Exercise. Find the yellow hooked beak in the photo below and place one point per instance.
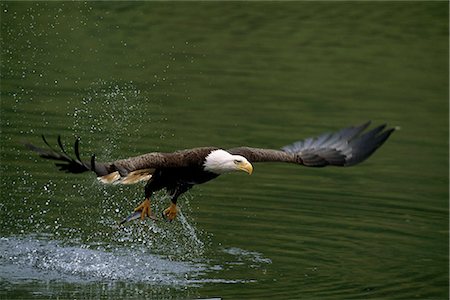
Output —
(246, 167)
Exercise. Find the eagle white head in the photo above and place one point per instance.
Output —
(221, 161)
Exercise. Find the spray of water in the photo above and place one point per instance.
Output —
(112, 113)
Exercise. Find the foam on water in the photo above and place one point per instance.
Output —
(40, 259)
(43, 259)
(252, 258)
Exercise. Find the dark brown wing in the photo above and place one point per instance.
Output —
(183, 158)
(254, 155)
(346, 147)
(138, 167)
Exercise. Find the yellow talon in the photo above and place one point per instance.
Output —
(144, 207)
(171, 212)
(142, 211)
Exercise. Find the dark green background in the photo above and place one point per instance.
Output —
(130, 78)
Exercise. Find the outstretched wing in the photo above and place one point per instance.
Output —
(124, 171)
(346, 147)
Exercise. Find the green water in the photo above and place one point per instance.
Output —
(130, 78)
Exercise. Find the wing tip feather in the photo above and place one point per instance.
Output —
(354, 143)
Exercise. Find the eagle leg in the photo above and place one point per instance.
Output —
(142, 211)
(171, 212)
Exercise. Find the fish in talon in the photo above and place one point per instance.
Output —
(136, 215)
(133, 216)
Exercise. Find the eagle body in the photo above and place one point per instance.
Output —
(179, 171)
(177, 180)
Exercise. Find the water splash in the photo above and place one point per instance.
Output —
(36, 259)
(122, 106)
(111, 111)
(243, 257)
(44, 259)
(180, 238)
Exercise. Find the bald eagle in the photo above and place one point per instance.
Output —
(179, 171)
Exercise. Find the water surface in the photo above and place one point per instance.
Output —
(130, 78)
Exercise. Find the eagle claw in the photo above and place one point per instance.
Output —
(142, 211)
(170, 213)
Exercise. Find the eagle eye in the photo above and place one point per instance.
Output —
(237, 161)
